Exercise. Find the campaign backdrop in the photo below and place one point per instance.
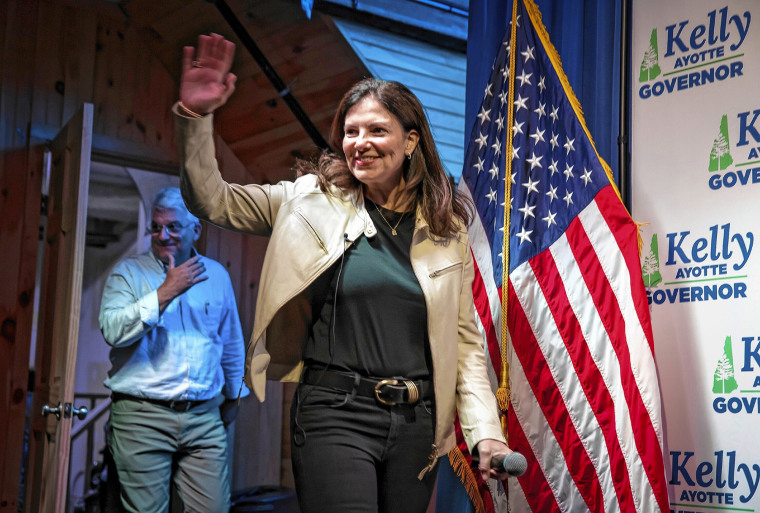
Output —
(696, 181)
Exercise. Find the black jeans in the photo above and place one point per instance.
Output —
(355, 455)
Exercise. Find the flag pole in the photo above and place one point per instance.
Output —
(624, 121)
(503, 393)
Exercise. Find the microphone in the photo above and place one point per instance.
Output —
(513, 464)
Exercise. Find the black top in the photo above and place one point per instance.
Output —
(380, 321)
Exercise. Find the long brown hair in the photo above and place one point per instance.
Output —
(426, 182)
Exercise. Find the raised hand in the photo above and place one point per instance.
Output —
(179, 279)
(206, 81)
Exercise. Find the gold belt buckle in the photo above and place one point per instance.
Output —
(379, 385)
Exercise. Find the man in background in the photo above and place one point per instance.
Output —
(177, 367)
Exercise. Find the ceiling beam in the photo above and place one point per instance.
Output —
(282, 89)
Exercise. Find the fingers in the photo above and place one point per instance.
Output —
(187, 58)
(229, 86)
(215, 50)
(195, 270)
(484, 465)
(218, 48)
(204, 47)
(171, 261)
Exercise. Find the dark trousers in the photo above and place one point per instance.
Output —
(352, 454)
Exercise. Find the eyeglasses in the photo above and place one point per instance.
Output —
(173, 229)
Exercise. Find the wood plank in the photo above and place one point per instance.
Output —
(287, 132)
(261, 455)
(106, 94)
(132, 51)
(269, 17)
(320, 101)
(19, 220)
(144, 12)
(48, 64)
(79, 43)
(182, 26)
(298, 63)
(157, 116)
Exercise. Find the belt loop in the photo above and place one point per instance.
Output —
(357, 380)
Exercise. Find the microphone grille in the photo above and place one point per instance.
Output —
(515, 464)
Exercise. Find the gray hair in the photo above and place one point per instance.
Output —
(171, 198)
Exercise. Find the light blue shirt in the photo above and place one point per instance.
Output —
(193, 351)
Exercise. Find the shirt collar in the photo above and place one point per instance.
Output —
(165, 267)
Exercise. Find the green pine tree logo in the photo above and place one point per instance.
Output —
(650, 65)
(650, 266)
(720, 155)
(723, 380)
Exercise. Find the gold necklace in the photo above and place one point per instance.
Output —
(393, 228)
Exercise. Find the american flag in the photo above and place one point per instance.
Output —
(585, 399)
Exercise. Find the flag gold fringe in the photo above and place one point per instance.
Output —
(639, 239)
(465, 473)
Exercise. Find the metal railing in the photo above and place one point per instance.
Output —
(98, 405)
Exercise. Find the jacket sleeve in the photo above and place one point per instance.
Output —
(245, 208)
(476, 402)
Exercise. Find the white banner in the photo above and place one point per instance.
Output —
(696, 181)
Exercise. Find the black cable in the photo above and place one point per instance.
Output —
(299, 433)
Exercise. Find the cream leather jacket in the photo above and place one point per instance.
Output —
(308, 231)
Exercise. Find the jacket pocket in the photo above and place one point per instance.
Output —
(448, 268)
(309, 228)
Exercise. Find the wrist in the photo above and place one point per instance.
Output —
(164, 297)
(187, 111)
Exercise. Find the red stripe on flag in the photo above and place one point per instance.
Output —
(626, 235)
(483, 307)
(552, 405)
(598, 396)
(533, 482)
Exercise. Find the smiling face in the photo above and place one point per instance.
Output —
(178, 245)
(375, 145)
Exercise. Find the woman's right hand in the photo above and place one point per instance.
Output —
(206, 81)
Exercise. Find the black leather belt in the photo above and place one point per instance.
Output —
(179, 406)
(387, 391)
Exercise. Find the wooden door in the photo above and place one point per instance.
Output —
(60, 295)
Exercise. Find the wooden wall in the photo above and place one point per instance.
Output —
(54, 55)
(258, 430)
(20, 182)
